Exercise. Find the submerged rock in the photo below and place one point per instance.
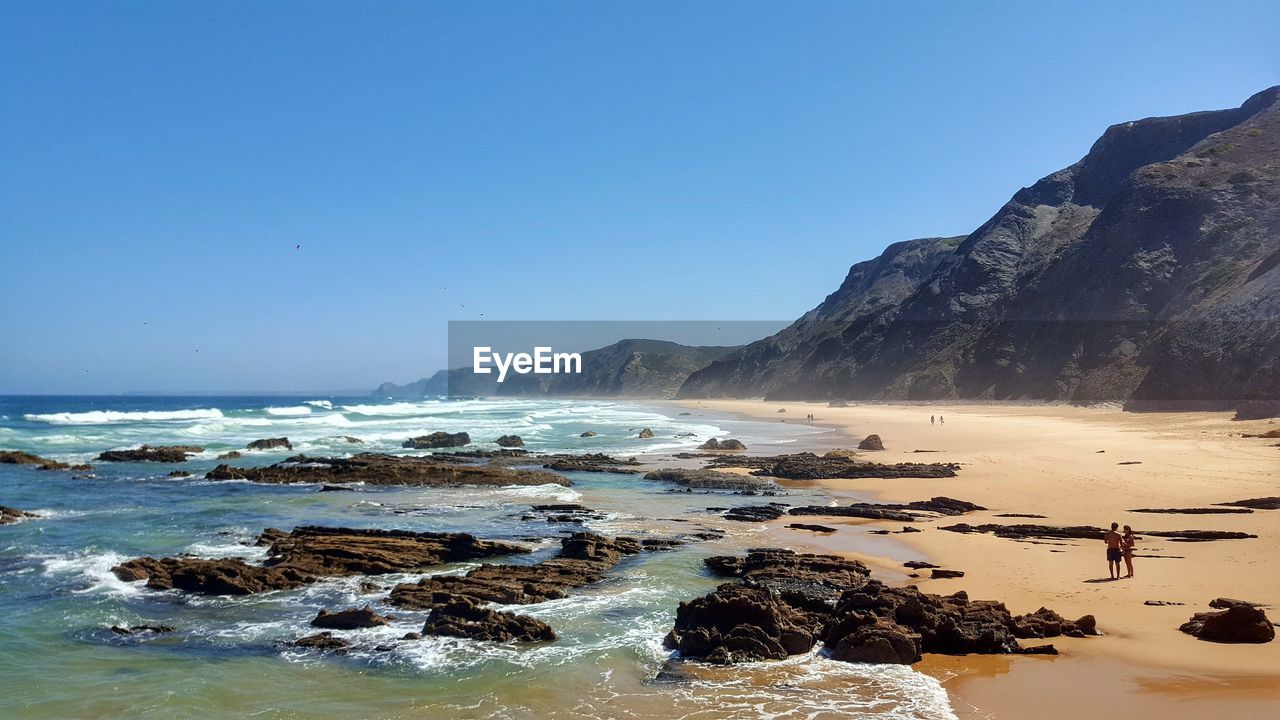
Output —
(147, 453)
(437, 440)
(588, 434)
(464, 617)
(307, 553)
(583, 559)
(351, 619)
(379, 469)
(325, 641)
(17, 457)
(270, 444)
(645, 434)
(10, 515)
(589, 462)
(139, 629)
(709, 479)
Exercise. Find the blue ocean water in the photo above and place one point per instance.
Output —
(229, 656)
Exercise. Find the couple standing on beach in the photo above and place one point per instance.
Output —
(1119, 547)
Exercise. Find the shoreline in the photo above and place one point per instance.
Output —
(1044, 459)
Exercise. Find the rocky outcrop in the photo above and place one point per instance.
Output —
(589, 462)
(147, 453)
(307, 553)
(645, 434)
(589, 434)
(210, 577)
(756, 513)
(270, 444)
(465, 618)
(871, 442)
(17, 457)
(325, 641)
(740, 623)
(1265, 503)
(583, 559)
(1194, 511)
(510, 441)
(727, 444)
(786, 603)
(329, 551)
(1146, 273)
(1086, 532)
(709, 479)
(437, 440)
(807, 466)
(351, 619)
(1236, 624)
(125, 630)
(902, 512)
(10, 515)
(378, 469)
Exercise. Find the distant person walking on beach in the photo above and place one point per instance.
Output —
(942, 420)
(930, 419)
(1127, 541)
(1114, 553)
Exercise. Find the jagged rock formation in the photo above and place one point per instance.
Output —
(785, 603)
(1148, 272)
(10, 515)
(299, 557)
(1236, 624)
(270, 444)
(148, 453)
(709, 479)
(378, 469)
(437, 439)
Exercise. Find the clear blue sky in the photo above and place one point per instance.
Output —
(160, 161)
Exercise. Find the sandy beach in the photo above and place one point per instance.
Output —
(1075, 466)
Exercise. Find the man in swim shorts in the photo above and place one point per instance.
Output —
(1114, 553)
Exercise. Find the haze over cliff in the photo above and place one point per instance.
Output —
(1146, 273)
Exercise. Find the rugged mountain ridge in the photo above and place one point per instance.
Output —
(628, 368)
(1146, 273)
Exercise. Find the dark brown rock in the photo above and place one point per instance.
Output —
(1264, 503)
(230, 576)
(325, 641)
(1086, 532)
(465, 618)
(510, 441)
(740, 623)
(904, 512)
(709, 479)
(17, 457)
(755, 513)
(10, 515)
(583, 559)
(137, 629)
(812, 528)
(871, 442)
(437, 440)
(807, 466)
(590, 462)
(351, 619)
(726, 444)
(1195, 511)
(1237, 624)
(1223, 603)
(147, 453)
(940, 574)
(588, 434)
(645, 434)
(379, 469)
(270, 444)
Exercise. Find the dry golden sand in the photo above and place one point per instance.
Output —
(1045, 460)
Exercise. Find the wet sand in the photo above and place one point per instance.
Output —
(1045, 460)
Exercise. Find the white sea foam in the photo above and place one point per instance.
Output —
(103, 417)
(320, 404)
(288, 411)
(548, 491)
(92, 568)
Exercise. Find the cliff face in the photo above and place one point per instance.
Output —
(1146, 273)
(629, 368)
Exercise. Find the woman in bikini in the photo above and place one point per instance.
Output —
(1127, 541)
